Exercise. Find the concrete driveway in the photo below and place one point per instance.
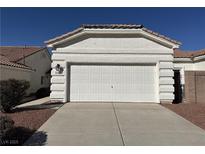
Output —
(118, 124)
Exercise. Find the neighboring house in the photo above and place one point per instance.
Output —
(9, 69)
(114, 63)
(28, 63)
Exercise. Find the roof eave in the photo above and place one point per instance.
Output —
(16, 67)
(54, 43)
(189, 59)
(199, 58)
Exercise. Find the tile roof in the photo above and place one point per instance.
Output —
(16, 53)
(188, 54)
(5, 61)
(109, 26)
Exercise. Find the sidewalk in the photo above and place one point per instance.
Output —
(41, 103)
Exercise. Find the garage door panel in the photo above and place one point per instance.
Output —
(135, 83)
(93, 91)
(121, 83)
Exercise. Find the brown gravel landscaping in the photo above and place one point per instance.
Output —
(192, 112)
(31, 119)
(27, 121)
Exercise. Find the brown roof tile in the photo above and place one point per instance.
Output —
(188, 54)
(5, 61)
(15, 53)
(109, 26)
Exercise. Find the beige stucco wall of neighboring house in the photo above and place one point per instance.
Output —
(40, 62)
(7, 72)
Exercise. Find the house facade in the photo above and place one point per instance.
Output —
(35, 65)
(121, 63)
(115, 63)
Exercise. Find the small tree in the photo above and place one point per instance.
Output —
(12, 92)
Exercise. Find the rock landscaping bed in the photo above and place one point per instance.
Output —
(192, 112)
(26, 122)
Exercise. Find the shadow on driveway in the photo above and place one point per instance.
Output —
(38, 138)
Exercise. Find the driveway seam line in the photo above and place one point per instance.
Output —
(118, 124)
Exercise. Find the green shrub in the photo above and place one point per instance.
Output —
(12, 92)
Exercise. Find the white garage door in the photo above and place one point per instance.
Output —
(119, 83)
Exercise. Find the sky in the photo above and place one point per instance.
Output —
(33, 26)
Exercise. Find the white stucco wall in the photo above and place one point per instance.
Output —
(191, 66)
(116, 43)
(114, 50)
(199, 66)
(184, 66)
(41, 63)
(7, 72)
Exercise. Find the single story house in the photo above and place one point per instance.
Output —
(120, 63)
(26, 63)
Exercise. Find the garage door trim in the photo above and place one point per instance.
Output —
(68, 75)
